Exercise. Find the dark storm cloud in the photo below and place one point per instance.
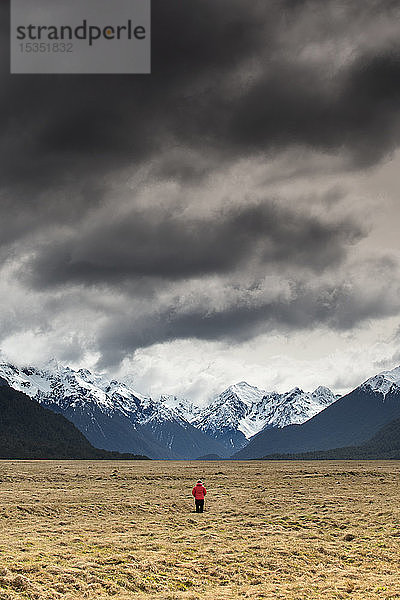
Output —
(357, 110)
(173, 247)
(339, 307)
(57, 129)
(229, 81)
(70, 124)
(64, 137)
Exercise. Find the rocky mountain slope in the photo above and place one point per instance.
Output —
(242, 410)
(113, 416)
(29, 431)
(351, 420)
(110, 414)
(383, 445)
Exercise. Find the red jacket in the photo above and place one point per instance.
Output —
(199, 491)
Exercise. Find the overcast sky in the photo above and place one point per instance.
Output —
(232, 216)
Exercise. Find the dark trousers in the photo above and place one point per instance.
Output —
(199, 505)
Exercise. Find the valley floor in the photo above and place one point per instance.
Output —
(271, 530)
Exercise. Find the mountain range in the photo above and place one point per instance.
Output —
(243, 410)
(243, 422)
(29, 431)
(350, 421)
(115, 417)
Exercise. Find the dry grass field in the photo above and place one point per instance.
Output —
(272, 530)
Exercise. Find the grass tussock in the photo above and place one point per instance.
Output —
(271, 530)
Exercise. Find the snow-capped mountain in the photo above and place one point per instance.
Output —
(224, 416)
(244, 418)
(64, 387)
(185, 408)
(242, 411)
(294, 407)
(384, 382)
(109, 413)
(350, 421)
(113, 416)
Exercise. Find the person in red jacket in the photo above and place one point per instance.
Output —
(199, 492)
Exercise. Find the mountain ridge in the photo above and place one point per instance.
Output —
(239, 413)
(110, 414)
(242, 422)
(113, 416)
(351, 420)
(29, 431)
(384, 445)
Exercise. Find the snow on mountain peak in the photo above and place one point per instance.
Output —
(63, 387)
(296, 391)
(238, 413)
(180, 406)
(244, 392)
(248, 409)
(321, 389)
(384, 382)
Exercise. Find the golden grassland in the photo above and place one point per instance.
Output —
(272, 530)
